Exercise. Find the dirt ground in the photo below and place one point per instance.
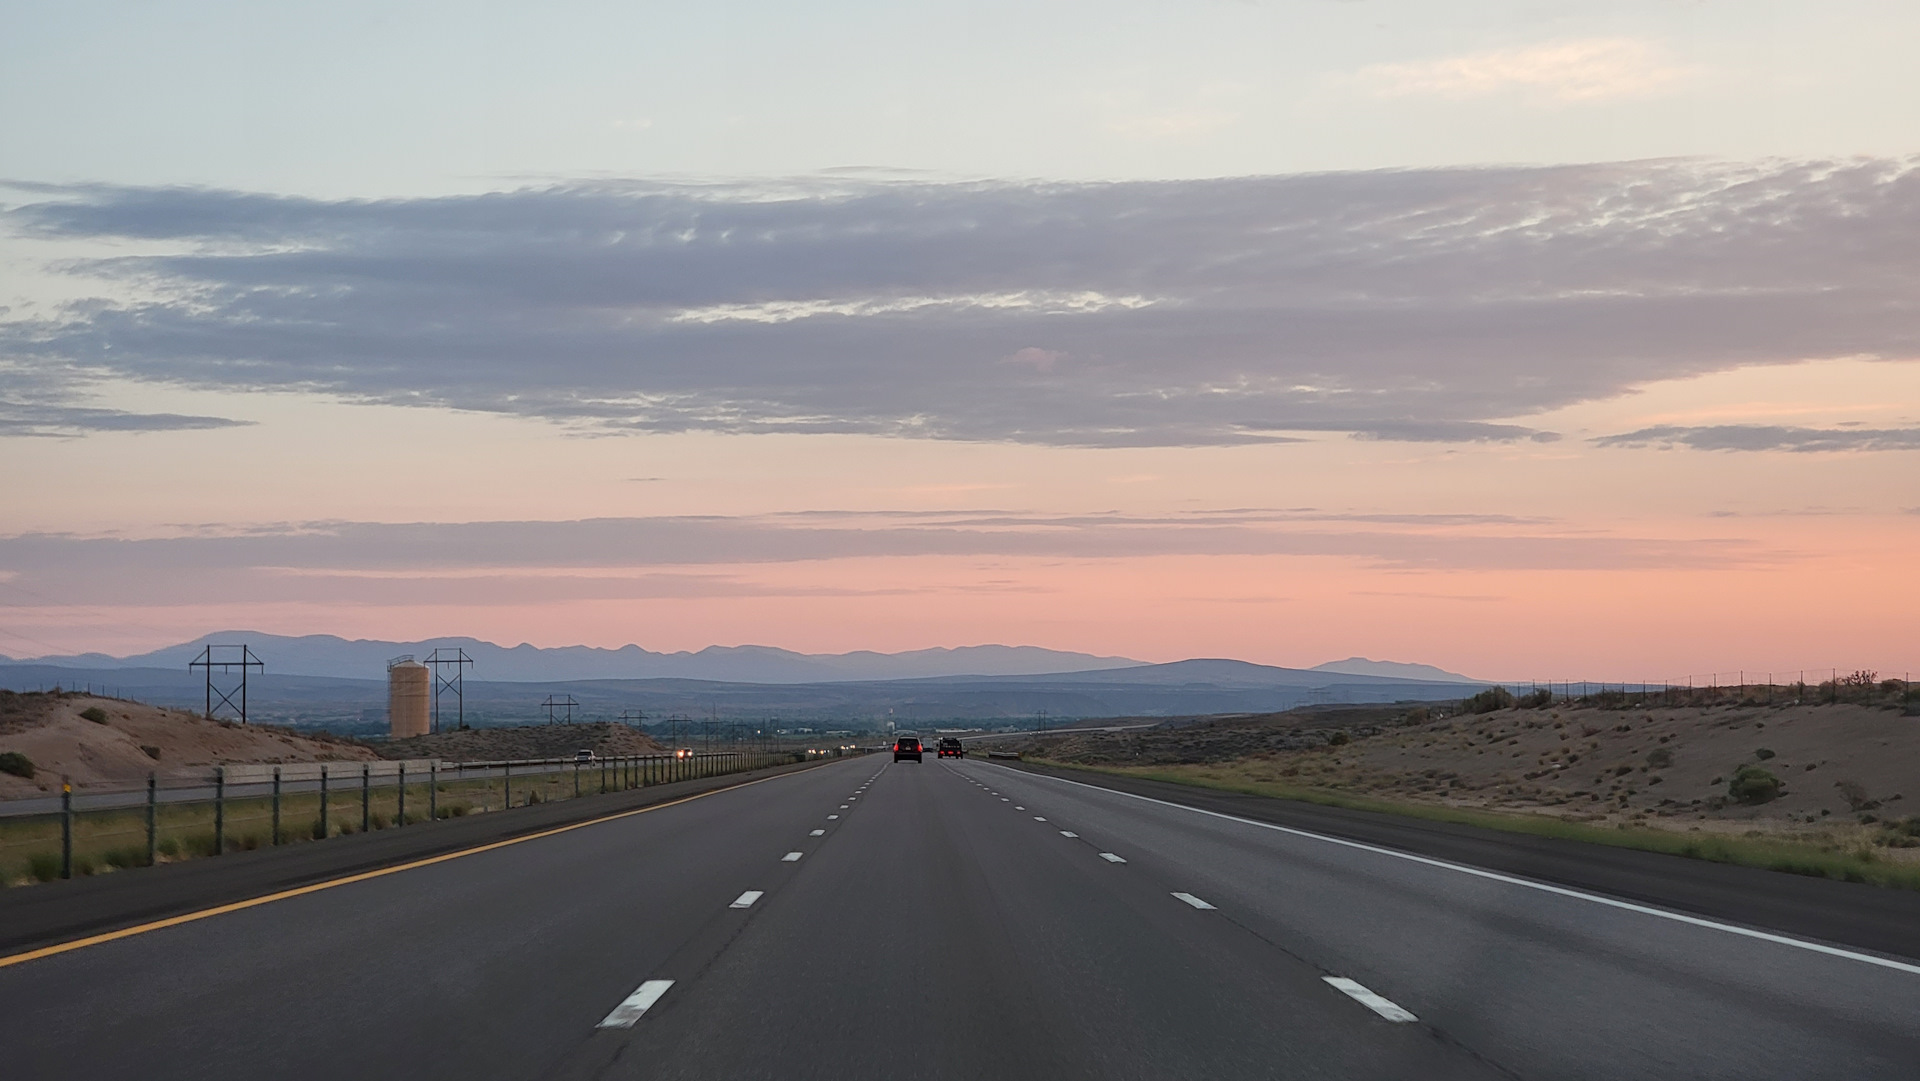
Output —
(527, 741)
(1836, 763)
(135, 739)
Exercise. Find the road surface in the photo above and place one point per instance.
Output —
(868, 919)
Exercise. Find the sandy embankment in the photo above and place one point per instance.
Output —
(135, 739)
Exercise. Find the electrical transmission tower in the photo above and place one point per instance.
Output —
(559, 702)
(458, 660)
(633, 718)
(226, 659)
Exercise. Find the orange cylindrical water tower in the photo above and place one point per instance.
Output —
(408, 692)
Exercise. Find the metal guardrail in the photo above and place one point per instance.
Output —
(236, 807)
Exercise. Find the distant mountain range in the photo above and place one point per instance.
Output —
(1180, 689)
(1361, 666)
(327, 655)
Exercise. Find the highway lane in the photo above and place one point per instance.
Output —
(1544, 983)
(494, 965)
(946, 933)
(950, 919)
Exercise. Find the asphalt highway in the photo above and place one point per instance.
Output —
(868, 919)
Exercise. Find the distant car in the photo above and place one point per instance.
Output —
(906, 747)
(951, 748)
(583, 756)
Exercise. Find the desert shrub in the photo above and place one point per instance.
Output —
(1763, 754)
(1491, 699)
(1751, 784)
(1660, 758)
(94, 714)
(43, 866)
(1417, 715)
(317, 832)
(151, 751)
(1338, 739)
(1535, 699)
(84, 866)
(168, 847)
(17, 764)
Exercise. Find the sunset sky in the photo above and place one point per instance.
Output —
(1531, 340)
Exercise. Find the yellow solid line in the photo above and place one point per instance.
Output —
(221, 910)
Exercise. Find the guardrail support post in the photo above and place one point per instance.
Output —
(323, 803)
(366, 798)
(153, 840)
(400, 813)
(219, 810)
(507, 785)
(276, 805)
(433, 791)
(66, 828)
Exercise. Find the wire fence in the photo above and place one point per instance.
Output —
(243, 808)
(1861, 686)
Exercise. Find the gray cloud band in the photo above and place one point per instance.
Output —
(1767, 437)
(498, 562)
(1415, 305)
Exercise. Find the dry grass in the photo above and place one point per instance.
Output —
(1845, 851)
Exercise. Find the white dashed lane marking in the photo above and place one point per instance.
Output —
(1194, 901)
(832, 817)
(818, 833)
(1111, 858)
(1068, 833)
(790, 857)
(636, 1005)
(747, 899)
(1037, 818)
(1390, 1010)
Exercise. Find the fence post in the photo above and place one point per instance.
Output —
(433, 791)
(507, 786)
(400, 811)
(366, 799)
(66, 828)
(153, 841)
(324, 799)
(219, 809)
(276, 805)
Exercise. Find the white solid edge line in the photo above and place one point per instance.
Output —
(790, 857)
(636, 1005)
(1544, 887)
(1111, 858)
(1386, 1008)
(1194, 901)
(747, 899)
(818, 833)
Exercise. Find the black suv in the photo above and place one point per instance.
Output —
(906, 747)
(950, 748)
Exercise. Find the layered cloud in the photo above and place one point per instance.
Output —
(1410, 305)
(488, 562)
(1767, 437)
